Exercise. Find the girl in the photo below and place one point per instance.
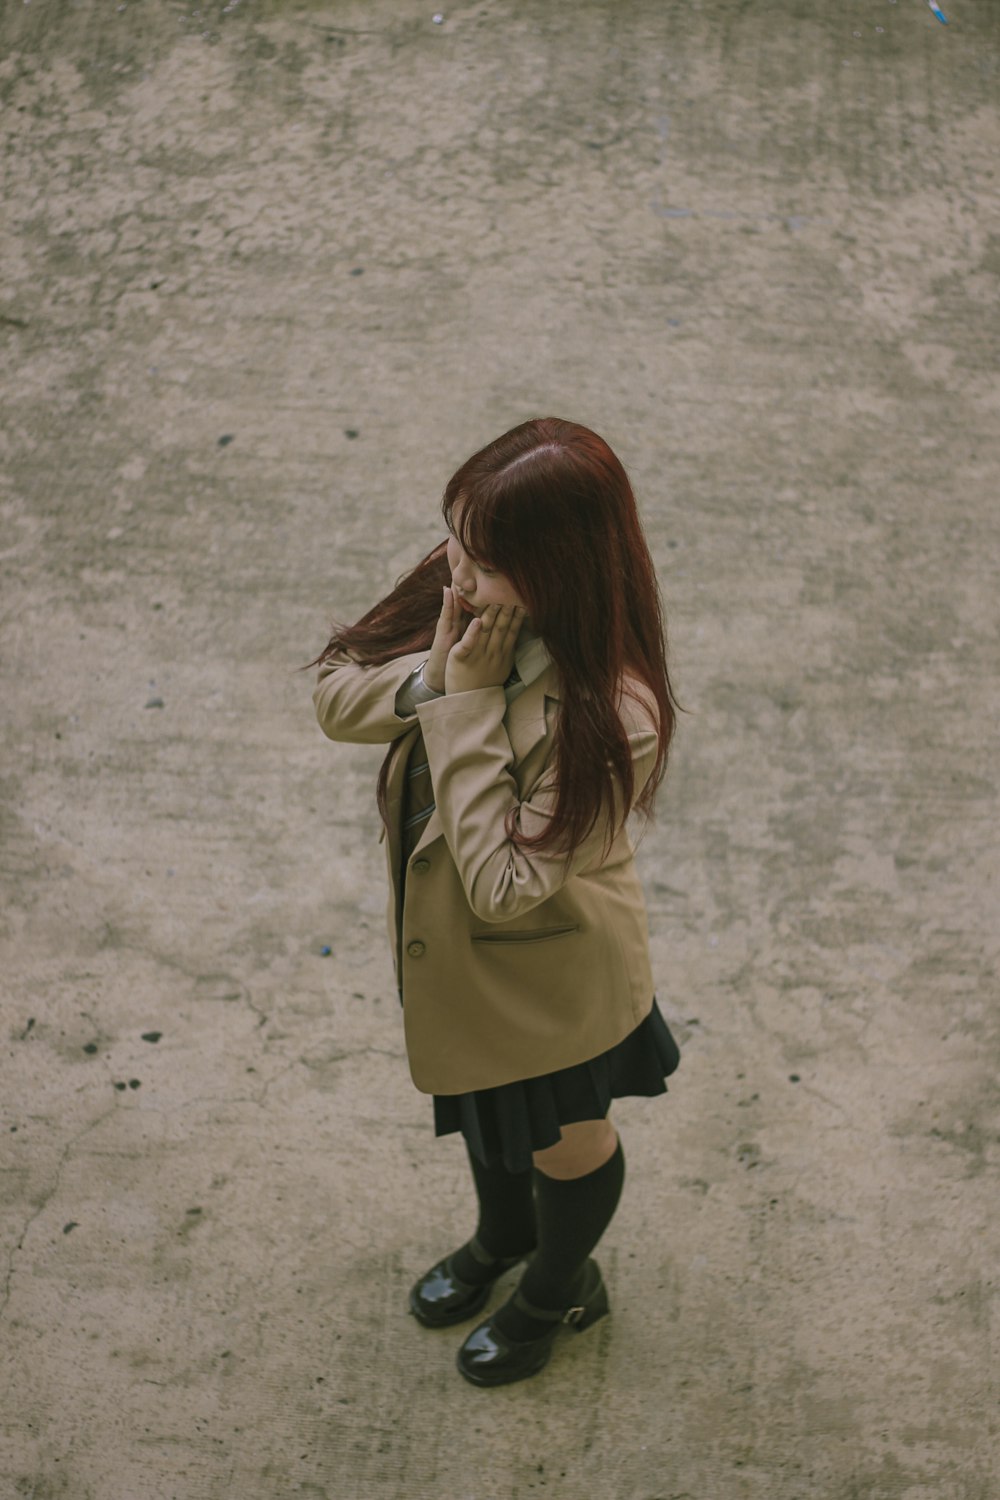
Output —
(518, 675)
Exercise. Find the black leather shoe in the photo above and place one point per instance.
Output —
(441, 1298)
(488, 1357)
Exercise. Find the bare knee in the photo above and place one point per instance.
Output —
(584, 1147)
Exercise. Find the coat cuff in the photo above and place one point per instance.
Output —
(414, 692)
(489, 705)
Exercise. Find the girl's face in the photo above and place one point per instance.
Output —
(475, 585)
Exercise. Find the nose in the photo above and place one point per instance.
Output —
(463, 579)
(461, 574)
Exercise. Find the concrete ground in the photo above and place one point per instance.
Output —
(268, 273)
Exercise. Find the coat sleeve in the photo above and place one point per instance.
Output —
(471, 763)
(358, 704)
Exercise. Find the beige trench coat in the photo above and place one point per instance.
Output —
(511, 963)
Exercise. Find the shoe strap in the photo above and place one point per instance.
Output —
(479, 1252)
(548, 1314)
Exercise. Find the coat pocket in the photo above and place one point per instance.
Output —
(528, 935)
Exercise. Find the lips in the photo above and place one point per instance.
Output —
(464, 603)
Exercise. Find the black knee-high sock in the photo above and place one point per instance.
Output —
(572, 1214)
(506, 1219)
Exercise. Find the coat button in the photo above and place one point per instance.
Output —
(420, 866)
(415, 949)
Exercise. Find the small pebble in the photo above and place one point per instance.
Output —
(225, 439)
(68, 1228)
(148, 1036)
(154, 703)
(438, 20)
(325, 951)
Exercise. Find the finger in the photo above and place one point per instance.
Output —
(511, 635)
(465, 647)
(447, 624)
(503, 624)
(496, 629)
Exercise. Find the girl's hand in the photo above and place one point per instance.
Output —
(485, 654)
(445, 636)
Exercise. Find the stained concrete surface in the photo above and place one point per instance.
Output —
(269, 272)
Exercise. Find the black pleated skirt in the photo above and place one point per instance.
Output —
(506, 1124)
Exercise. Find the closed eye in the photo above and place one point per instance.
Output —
(480, 567)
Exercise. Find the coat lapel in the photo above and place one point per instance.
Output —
(525, 720)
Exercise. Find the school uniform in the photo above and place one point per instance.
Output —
(525, 978)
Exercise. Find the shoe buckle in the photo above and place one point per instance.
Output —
(573, 1315)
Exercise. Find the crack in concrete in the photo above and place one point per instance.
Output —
(18, 1245)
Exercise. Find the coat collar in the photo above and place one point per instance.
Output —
(525, 720)
(531, 656)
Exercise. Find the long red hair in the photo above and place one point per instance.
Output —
(550, 506)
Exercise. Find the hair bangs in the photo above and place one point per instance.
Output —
(475, 517)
